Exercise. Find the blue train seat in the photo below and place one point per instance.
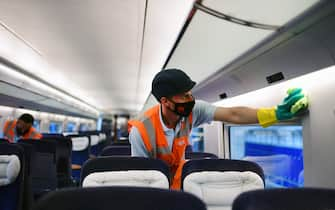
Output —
(189, 148)
(43, 166)
(29, 156)
(12, 173)
(286, 199)
(129, 171)
(80, 153)
(199, 155)
(125, 198)
(63, 159)
(116, 150)
(219, 181)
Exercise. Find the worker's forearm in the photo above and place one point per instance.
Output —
(236, 115)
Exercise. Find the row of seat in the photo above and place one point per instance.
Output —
(216, 182)
(40, 170)
(211, 180)
(129, 198)
(38, 160)
(209, 183)
(45, 165)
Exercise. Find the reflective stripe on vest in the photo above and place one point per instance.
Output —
(32, 134)
(154, 139)
(9, 131)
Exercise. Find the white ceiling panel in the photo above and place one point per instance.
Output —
(89, 45)
(210, 43)
(92, 49)
(165, 20)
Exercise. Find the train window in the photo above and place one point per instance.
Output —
(277, 149)
(70, 127)
(55, 127)
(83, 127)
(197, 139)
(37, 124)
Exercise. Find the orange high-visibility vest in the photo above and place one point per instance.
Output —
(9, 132)
(156, 144)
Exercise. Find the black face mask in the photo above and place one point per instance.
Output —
(19, 131)
(183, 109)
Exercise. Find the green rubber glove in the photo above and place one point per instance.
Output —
(293, 104)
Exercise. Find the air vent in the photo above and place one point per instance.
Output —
(275, 77)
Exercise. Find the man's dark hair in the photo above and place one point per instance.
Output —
(27, 118)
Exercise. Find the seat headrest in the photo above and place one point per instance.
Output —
(79, 143)
(198, 165)
(103, 164)
(126, 198)
(94, 140)
(9, 169)
(218, 189)
(136, 178)
(288, 199)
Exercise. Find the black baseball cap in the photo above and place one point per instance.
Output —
(27, 118)
(171, 82)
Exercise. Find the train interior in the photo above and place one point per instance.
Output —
(83, 70)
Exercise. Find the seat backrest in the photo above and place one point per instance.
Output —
(12, 164)
(52, 135)
(80, 148)
(286, 199)
(94, 144)
(219, 181)
(80, 152)
(29, 156)
(43, 166)
(189, 148)
(2, 140)
(199, 155)
(125, 198)
(119, 150)
(121, 171)
(63, 159)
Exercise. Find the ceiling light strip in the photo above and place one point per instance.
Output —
(22, 74)
(19, 37)
(141, 52)
(233, 19)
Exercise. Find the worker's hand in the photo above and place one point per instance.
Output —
(295, 103)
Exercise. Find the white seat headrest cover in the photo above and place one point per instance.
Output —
(79, 143)
(94, 140)
(138, 178)
(102, 137)
(219, 189)
(9, 169)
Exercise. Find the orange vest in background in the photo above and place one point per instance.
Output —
(9, 132)
(156, 144)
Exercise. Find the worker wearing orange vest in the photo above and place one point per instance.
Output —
(21, 129)
(163, 130)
